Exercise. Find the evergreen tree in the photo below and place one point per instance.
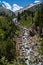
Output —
(19, 16)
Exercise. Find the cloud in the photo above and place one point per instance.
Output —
(6, 5)
(37, 1)
(15, 7)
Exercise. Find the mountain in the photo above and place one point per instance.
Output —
(36, 7)
(31, 7)
(4, 11)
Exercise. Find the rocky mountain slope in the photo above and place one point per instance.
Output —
(5, 11)
(31, 7)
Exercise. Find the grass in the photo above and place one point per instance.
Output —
(27, 23)
(18, 32)
(41, 46)
(16, 63)
(10, 64)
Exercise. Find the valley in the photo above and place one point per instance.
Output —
(21, 36)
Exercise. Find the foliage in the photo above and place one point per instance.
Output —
(7, 32)
(26, 19)
(39, 19)
(41, 47)
(19, 16)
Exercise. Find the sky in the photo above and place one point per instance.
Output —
(17, 4)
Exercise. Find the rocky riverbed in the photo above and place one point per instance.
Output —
(29, 47)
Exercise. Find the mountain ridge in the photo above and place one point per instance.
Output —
(5, 11)
(31, 7)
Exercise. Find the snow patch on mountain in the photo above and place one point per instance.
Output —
(13, 8)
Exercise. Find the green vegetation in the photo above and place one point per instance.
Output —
(39, 24)
(8, 30)
(3, 61)
(39, 21)
(26, 18)
(27, 23)
(41, 46)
